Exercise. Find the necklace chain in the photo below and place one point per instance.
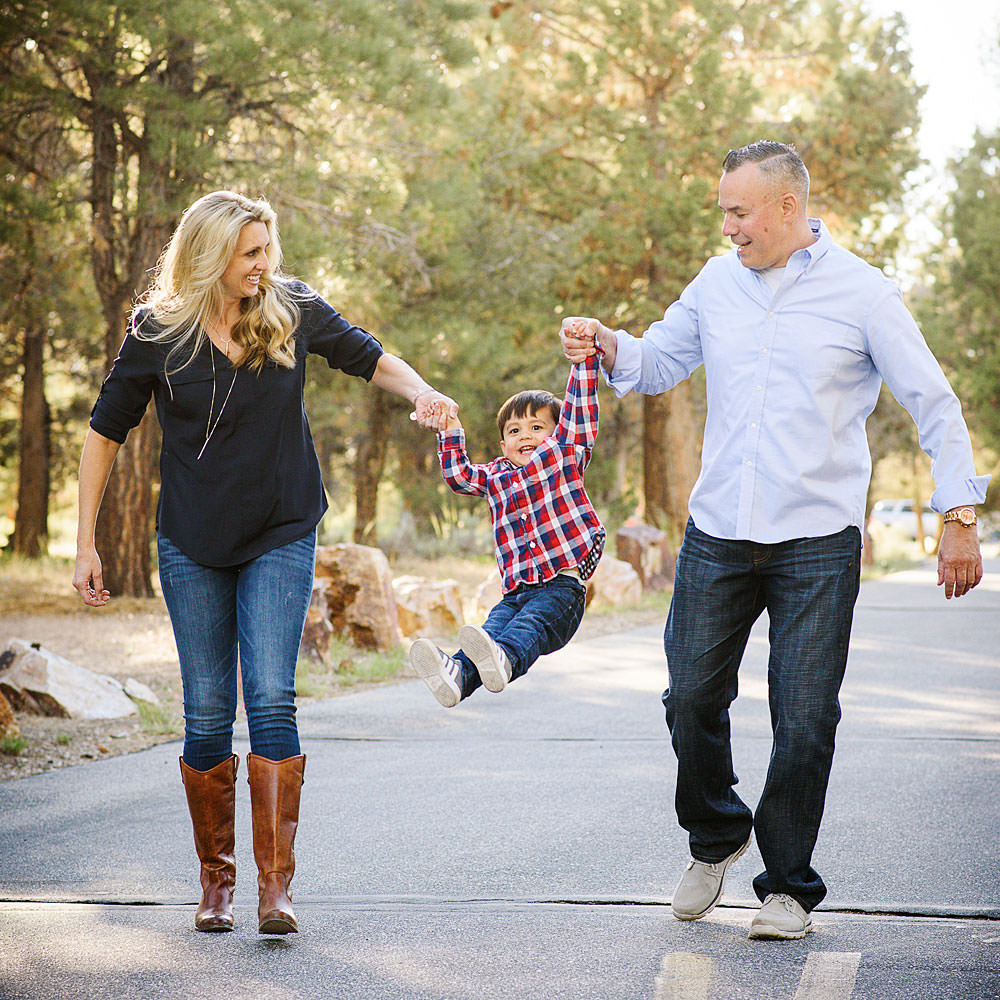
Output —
(209, 426)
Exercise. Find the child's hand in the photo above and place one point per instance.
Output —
(447, 421)
(579, 337)
(435, 411)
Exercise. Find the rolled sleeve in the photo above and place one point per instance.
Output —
(126, 391)
(346, 347)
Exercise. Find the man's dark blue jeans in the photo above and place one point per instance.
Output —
(533, 619)
(808, 586)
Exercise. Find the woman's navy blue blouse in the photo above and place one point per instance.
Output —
(257, 484)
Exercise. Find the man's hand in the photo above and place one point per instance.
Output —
(960, 563)
(581, 336)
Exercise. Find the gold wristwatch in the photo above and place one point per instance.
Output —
(964, 515)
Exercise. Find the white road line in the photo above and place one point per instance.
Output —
(684, 977)
(828, 975)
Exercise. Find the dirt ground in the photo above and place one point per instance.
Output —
(137, 643)
(133, 639)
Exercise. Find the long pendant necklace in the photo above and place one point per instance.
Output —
(210, 427)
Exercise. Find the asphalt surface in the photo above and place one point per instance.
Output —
(524, 845)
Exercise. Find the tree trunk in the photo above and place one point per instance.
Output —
(669, 458)
(124, 525)
(30, 536)
(368, 467)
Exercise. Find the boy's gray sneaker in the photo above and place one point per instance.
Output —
(701, 886)
(440, 672)
(781, 918)
(490, 660)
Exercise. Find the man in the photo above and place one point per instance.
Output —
(796, 335)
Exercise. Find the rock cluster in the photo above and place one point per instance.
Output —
(37, 681)
(352, 598)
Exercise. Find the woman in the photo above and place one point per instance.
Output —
(220, 343)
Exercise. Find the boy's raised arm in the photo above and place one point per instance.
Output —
(578, 418)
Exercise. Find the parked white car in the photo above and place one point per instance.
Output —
(901, 515)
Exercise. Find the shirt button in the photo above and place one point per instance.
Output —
(749, 462)
(758, 387)
(770, 314)
(763, 350)
(753, 427)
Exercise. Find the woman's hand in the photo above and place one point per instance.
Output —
(395, 375)
(88, 579)
(434, 410)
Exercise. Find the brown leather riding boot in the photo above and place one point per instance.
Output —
(275, 787)
(211, 798)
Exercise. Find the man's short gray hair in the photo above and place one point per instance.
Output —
(778, 162)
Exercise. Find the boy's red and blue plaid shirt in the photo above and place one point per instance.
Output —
(543, 520)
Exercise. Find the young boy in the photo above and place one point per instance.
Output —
(548, 537)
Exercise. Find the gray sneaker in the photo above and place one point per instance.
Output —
(490, 660)
(781, 918)
(701, 886)
(440, 672)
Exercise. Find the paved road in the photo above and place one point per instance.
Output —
(524, 846)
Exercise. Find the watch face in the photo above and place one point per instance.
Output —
(967, 516)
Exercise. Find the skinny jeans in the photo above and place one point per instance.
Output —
(250, 616)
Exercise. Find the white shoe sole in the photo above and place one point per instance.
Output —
(733, 858)
(768, 932)
(480, 648)
(426, 661)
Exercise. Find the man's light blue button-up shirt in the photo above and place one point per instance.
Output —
(791, 379)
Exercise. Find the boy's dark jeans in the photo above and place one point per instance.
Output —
(808, 586)
(530, 621)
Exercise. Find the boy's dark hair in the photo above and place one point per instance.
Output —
(529, 401)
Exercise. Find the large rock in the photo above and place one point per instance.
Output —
(35, 680)
(138, 691)
(8, 724)
(647, 550)
(487, 595)
(318, 632)
(615, 583)
(353, 592)
(428, 607)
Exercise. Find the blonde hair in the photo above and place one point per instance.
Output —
(186, 290)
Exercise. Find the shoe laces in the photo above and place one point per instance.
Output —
(780, 897)
(710, 866)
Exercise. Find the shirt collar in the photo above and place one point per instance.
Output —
(823, 241)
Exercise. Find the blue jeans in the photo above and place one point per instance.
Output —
(252, 614)
(808, 587)
(534, 619)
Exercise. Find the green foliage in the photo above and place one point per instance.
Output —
(157, 720)
(962, 315)
(13, 746)
(453, 177)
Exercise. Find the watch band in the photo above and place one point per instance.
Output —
(963, 515)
